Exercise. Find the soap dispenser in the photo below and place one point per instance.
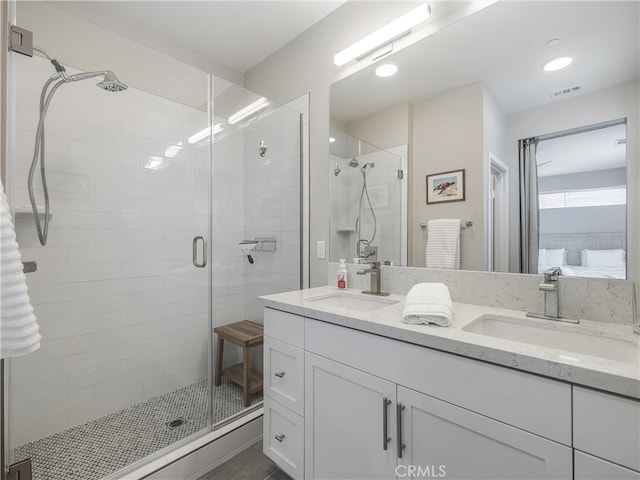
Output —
(342, 274)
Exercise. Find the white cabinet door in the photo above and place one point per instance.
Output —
(588, 467)
(345, 422)
(445, 440)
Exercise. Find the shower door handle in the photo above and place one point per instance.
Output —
(204, 251)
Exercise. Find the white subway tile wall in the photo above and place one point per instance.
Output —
(122, 309)
(255, 196)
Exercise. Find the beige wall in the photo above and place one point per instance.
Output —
(448, 135)
(587, 109)
(385, 129)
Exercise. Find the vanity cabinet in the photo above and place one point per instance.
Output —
(606, 434)
(363, 406)
(588, 467)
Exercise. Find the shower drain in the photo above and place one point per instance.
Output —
(175, 423)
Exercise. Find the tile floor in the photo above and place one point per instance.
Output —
(102, 446)
(251, 464)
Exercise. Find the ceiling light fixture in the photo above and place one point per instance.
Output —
(389, 32)
(248, 110)
(331, 139)
(386, 70)
(196, 137)
(557, 64)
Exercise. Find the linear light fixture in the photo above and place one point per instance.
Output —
(248, 110)
(383, 35)
(196, 137)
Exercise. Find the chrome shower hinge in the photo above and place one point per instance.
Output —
(21, 40)
(400, 173)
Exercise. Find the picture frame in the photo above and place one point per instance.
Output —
(445, 187)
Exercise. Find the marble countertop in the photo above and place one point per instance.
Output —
(588, 370)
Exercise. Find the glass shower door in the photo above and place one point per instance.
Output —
(122, 287)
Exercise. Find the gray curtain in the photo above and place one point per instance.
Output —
(529, 221)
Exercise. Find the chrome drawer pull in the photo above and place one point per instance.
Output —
(279, 437)
(279, 374)
(401, 446)
(385, 423)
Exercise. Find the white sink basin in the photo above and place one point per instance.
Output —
(561, 336)
(352, 301)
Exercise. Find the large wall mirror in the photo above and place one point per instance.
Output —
(470, 96)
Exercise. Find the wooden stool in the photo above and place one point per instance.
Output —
(247, 335)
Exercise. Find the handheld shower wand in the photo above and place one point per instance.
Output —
(109, 83)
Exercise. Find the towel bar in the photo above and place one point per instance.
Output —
(467, 224)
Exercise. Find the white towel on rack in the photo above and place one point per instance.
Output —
(428, 303)
(443, 243)
(18, 327)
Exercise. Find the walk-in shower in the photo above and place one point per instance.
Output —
(123, 375)
(109, 83)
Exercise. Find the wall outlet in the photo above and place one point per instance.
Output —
(320, 249)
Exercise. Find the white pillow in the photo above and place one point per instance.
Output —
(603, 258)
(553, 257)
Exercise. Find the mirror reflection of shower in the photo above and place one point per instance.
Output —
(366, 200)
(109, 82)
(364, 246)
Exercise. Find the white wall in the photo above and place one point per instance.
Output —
(88, 47)
(587, 109)
(122, 310)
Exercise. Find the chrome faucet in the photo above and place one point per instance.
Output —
(550, 288)
(374, 270)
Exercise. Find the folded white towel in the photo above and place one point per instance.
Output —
(443, 243)
(18, 327)
(428, 303)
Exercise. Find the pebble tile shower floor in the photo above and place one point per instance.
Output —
(102, 446)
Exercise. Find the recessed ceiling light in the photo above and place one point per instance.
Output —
(557, 64)
(553, 43)
(331, 139)
(386, 70)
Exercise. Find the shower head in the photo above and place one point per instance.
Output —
(111, 83)
(354, 162)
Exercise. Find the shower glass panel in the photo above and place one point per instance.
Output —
(366, 201)
(257, 218)
(123, 371)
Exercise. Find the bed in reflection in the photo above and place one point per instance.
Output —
(597, 254)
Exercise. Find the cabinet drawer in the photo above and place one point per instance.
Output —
(532, 403)
(284, 326)
(284, 374)
(587, 467)
(607, 426)
(283, 438)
